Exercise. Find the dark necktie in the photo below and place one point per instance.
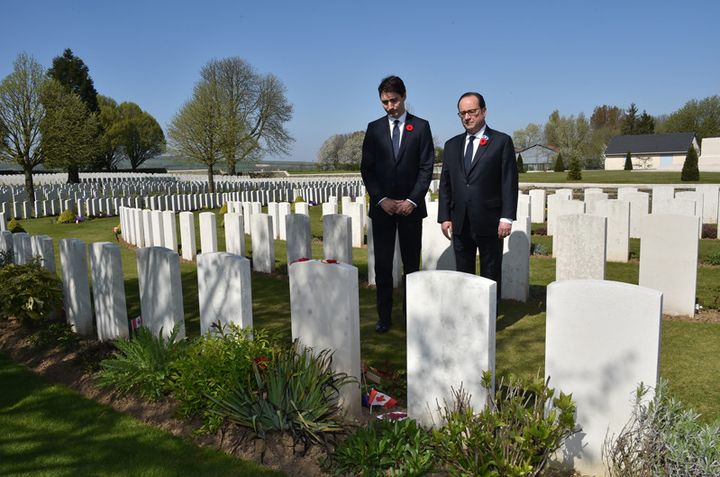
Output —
(396, 138)
(469, 154)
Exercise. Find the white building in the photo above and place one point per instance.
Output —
(650, 151)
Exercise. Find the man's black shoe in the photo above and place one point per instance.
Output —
(382, 327)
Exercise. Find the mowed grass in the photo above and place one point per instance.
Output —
(49, 430)
(620, 177)
(520, 328)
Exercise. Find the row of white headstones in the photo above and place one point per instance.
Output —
(440, 310)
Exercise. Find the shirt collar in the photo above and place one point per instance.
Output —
(478, 134)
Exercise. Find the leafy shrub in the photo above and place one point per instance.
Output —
(143, 364)
(385, 448)
(6, 258)
(574, 172)
(690, 171)
(709, 231)
(559, 164)
(299, 199)
(14, 226)
(294, 390)
(29, 292)
(66, 217)
(713, 258)
(662, 438)
(211, 366)
(538, 249)
(514, 435)
(59, 333)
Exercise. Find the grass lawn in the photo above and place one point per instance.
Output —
(49, 430)
(520, 328)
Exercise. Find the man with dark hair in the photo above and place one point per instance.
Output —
(478, 191)
(397, 164)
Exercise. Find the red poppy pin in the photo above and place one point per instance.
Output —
(409, 127)
(484, 140)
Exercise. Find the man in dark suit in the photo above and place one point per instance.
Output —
(397, 164)
(478, 190)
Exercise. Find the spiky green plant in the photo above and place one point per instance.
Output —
(143, 364)
(294, 390)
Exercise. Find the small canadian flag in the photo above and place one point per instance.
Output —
(376, 398)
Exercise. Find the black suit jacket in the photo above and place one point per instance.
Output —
(487, 192)
(409, 176)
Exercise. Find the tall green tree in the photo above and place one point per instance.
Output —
(531, 135)
(137, 134)
(351, 152)
(559, 164)
(573, 137)
(699, 116)
(254, 110)
(629, 123)
(196, 131)
(21, 112)
(606, 116)
(69, 130)
(109, 150)
(574, 172)
(73, 74)
(690, 170)
(628, 162)
(645, 124)
(520, 165)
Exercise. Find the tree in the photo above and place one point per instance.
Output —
(196, 130)
(109, 153)
(690, 171)
(572, 136)
(559, 164)
(439, 154)
(329, 154)
(520, 165)
(699, 116)
(606, 116)
(574, 173)
(72, 73)
(351, 152)
(531, 135)
(137, 134)
(628, 162)
(21, 112)
(253, 108)
(629, 124)
(69, 130)
(645, 125)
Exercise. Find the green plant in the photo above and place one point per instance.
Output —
(29, 292)
(14, 226)
(59, 333)
(538, 249)
(385, 448)
(628, 162)
(143, 364)
(559, 164)
(574, 173)
(662, 438)
(211, 365)
(299, 199)
(520, 165)
(690, 171)
(514, 435)
(67, 216)
(294, 390)
(6, 257)
(713, 258)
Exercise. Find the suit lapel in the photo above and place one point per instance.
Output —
(481, 148)
(409, 128)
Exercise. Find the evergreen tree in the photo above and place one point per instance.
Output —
(628, 162)
(520, 165)
(690, 171)
(629, 124)
(559, 164)
(574, 173)
(645, 125)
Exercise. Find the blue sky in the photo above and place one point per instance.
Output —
(526, 58)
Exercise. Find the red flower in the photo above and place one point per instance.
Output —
(303, 259)
(483, 140)
(261, 362)
(409, 127)
(330, 260)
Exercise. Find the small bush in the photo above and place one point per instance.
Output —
(6, 258)
(211, 366)
(662, 438)
(559, 164)
(223, 210)
(713, 258)
(515, 434)
(143, 364)
(690, 171)
(520, 164)
(59, 333)
(29, 292)
(294, 390)
(299, 199)
(14, 226)
(385, 448)
(538, 249)
(66, 217)
(628, 162)
(574, 173)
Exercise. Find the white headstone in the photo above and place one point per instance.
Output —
(299, 241)
(263, 243)
(76, 287)
(617, 213)
(639, 207)
(235, 233)
(337, 241)
(711, 197)
(668, 260)
(208, 232)
(602, 339)
(516, 262)
(450, 339)
(42, 246)
(225, 292)
(187, 235)
(158, 231)
(108, 291)
(161, 300)
(324, 310)
(437, 251)
(170, 230)
(579, 246)
(22, 248)
(537, 206)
